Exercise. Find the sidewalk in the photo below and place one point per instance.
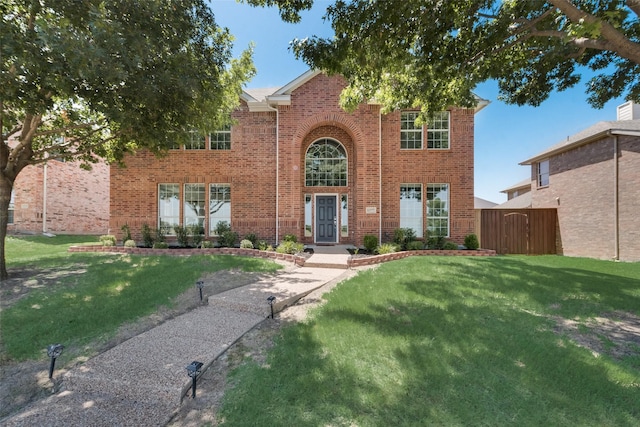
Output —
(142, 381)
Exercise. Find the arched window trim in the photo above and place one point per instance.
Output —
(320, 174)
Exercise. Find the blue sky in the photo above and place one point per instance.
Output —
(504, 136)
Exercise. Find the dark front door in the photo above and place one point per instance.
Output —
(326, 219)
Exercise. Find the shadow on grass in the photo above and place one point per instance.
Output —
(470, 348)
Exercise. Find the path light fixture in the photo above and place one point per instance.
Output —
(200, 285)
(54, 351)
(271, 300)
(193, 371)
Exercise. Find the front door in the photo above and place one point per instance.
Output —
(326, 219)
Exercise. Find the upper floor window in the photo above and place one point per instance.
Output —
(326, 164)
(410, 133)
(221, 140)
(438, 131)
(196, 141)
(543, 173)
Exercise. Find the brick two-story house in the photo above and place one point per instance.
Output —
(295, 163)
(593, 180)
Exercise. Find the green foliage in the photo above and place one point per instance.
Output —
(262, 245)
(126, 232)
(147, 236)
(196, 235)
(161, 233)
(531, 47)
(370, 243)
(206, 244)
(182, 235)
(160, 245)
(246, 244)
(449, 246)
(289, 247)
(252, 238)
(130, 243)
(108, 240)
(228, 239)
(221, 228)
(290, 238)
(471, 242)
(387, 248)
(436, 242)
(402, 236)
(415, 245)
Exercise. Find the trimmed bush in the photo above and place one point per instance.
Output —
(289, 247)
(450, 246)
(228, 239)
(471, 242)
(415, 245)
(222, 227)
(130, 243)
(262, 245)
(252, 238)
(246, 244)
(206, 244)
(371, 243)
(147, 236)
(160, 245)
(436, 242)
(196, 234)
(181, 235)
(108, 240)
(126, 233)
(387, 248)
(290, 238)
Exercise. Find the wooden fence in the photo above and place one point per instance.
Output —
(518, 231)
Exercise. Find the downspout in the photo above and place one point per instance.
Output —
(277, 169)
(380, 174)
(616, 209)
(44, 197)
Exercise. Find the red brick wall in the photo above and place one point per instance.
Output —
(582, 187)
(252, 163)
(77, 200)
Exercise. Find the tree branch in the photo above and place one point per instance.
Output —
(634, 5)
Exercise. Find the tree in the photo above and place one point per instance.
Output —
(410, 53)
(89, 80)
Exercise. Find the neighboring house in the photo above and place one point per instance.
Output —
(518, 189)
(60, 197)
(479, 203)
(518, 196)
(593, 180)
(295, 163)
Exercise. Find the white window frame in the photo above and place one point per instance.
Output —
(408, 127)
(217, 216)
(543, 176)
(194, 214)
(414, 217)
(213, 139)
(197, 141)
(435, 214)
(436, 130)
(167, 213)
(11, 219)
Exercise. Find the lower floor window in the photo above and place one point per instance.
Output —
(11, 207)
(194, 206)
(411, 207)
(168, 207)
(219, 206)
(438, 209)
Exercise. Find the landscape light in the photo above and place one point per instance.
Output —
(193, 371)
(200, 285)
(54, 351)
(271, 300)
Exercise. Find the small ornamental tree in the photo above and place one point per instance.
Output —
(93, 79)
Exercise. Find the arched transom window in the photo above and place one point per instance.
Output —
(326, 164)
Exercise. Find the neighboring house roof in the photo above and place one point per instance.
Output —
(266, 99)
(525, 183)
(598, 131)
(522, 201)
(479, 203)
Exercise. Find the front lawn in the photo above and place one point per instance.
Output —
(455, 341)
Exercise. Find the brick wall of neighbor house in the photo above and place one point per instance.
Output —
(629, 197)
(250, 168)
(581, 187)
(77, 200)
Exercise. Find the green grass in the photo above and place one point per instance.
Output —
(25, 250)
(449, 341)
(96, 293)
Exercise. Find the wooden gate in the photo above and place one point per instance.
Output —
(519, 231)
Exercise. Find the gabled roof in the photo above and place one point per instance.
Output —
(525, 183)
(266, 99)
(598, 131)
(523, 201)
(479, 203)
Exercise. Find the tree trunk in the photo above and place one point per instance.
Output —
(6, 186)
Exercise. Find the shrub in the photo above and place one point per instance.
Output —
(126, 233)
(436, 242)
(222, 227)
(108, 240)
(130, 243)
(415, 245)
(402, 237)
(290, 238)
(160, 245)
(471, 242)
(262, 245)
(370, 243)
(387, 248)
(246, 244)
(206, 244)
(228, 239)
(252, 238)
(449, 246)
(147, 236)
(196, 234)
(161, 233)
(181, 235)
(270, 249)
(289, 247)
